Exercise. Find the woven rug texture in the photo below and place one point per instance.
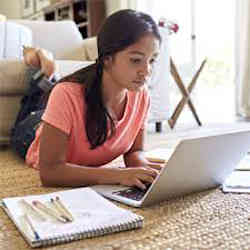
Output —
(206, 220)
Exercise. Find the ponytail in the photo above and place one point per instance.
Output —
(97, 116)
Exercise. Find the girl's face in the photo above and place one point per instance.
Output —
(131, 68)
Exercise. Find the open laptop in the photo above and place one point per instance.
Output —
(196, 164)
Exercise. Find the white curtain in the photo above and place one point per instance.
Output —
(242, 58)
(148, 6)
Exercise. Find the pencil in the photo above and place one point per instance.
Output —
(59, 209)
(29, 222)
(59, 202)
(34, 210)
(49, 211)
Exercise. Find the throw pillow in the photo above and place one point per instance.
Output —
(12, 37)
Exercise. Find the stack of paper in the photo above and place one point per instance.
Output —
(238, 181)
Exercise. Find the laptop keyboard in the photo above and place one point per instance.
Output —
(133, 193)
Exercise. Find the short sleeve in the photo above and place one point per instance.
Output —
(58, 112)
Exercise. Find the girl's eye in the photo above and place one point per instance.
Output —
(135, 60)
(152, 61)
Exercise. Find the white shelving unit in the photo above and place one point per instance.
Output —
(23, 9)
(76, 10)
(14, 9)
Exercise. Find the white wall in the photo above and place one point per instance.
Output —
(115, 5)
(11, 8)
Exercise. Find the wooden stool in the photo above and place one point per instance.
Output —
(186, 94)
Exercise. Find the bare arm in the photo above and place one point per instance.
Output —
(55, 171)
(136, 156)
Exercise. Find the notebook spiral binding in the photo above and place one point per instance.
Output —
(91, 232)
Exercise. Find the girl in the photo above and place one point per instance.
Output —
(99, 113)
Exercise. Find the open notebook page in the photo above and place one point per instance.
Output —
(89, 209)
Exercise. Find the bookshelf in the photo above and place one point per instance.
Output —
(87, 14)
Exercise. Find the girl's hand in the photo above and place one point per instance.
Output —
(158, 166)
(137, 176)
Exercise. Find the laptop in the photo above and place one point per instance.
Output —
(195, 164)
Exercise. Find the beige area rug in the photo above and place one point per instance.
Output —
(207, 220)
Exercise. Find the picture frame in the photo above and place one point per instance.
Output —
(27, 7)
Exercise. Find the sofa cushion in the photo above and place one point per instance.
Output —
(12, 78)
(62, 38)
(90, 48)
(12, 37)
(67, 67)
(9, 108)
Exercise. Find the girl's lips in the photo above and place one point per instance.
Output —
(140, 82)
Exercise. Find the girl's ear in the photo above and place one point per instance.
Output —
(107, 62)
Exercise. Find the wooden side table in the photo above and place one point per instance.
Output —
(186, 94)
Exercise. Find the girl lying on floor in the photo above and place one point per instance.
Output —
(96, 114)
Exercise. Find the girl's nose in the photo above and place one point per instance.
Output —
(146, 70)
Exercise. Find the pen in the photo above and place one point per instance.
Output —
(34, 210)
(49, 211)
(58, 200)
(29, 222)
(59, 209)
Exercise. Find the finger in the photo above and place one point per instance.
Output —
(156, 166)
(147, 178)
(139, 184)
(150, 171)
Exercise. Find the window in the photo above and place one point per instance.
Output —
(206, 31)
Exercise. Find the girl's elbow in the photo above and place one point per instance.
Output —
(46, 176)
(45, 180)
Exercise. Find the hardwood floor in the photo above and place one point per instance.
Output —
(167, 136)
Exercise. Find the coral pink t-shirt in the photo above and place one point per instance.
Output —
(66, 111)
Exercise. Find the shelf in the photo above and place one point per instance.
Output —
(87, 14)
(75, 10)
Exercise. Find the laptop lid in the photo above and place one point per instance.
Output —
(196, 164)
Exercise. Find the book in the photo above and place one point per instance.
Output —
(237, 182)
(78, 213)
(159, 155)
(244, 163)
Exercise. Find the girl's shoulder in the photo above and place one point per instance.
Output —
(70, 88)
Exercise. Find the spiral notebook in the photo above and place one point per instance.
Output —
(89, 215)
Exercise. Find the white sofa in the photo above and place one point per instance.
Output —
(72, 52)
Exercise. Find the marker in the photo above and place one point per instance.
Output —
(34, 210)
(58, 200)
(49, 211)
(29, 222)
(60, 210)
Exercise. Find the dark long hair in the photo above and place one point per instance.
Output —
(120, 30)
